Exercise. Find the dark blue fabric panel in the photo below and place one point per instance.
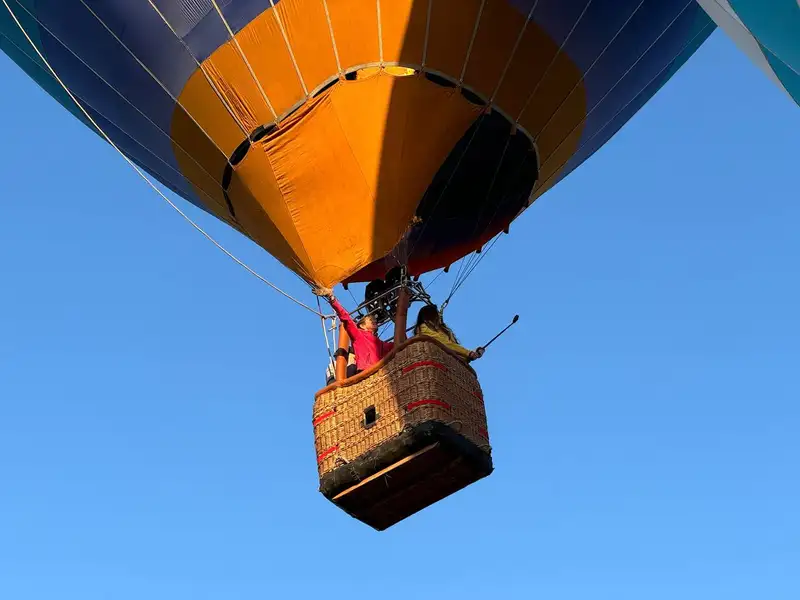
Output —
(644, 80)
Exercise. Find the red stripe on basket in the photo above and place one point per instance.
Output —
(324, 416)
(413, 405)
(478, 395)
(424, 363)
(483, 432)
(327, 453)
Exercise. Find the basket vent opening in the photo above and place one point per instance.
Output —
(370, 416)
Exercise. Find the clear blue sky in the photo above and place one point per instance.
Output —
(155, 399)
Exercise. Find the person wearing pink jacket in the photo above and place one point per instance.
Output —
(367, 346)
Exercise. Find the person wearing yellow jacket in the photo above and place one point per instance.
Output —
(430, 324)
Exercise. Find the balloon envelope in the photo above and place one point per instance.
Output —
(329, 130)
(768, 31)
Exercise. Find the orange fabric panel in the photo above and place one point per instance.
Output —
(204, 167)
(534, 54)
(554, 92)
(310, 38)
(210, 140)
(498, 31)
(336, 185)
(450, 31)
(203, 103)
(553, 109)
(401, 130)
(559, 140)
(251, 219)
(334, 188)
(556, 109)
(557, 158)
(232, 81)
(355, 29)
(263, 44)
(403, 26)
(260, 206)
(322, 189)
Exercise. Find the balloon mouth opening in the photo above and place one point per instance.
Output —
(372, 70)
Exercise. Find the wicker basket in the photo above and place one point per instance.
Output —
(404, 434)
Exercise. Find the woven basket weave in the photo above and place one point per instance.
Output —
(419, 382)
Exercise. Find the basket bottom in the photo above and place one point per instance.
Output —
(406, 474)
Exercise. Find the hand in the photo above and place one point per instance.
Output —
(477, 353)
(326, 293)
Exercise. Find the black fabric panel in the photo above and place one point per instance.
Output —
(484, 182)
(482, 185)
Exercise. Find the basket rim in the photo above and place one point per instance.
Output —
(387, 359)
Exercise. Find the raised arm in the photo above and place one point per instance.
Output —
(349, 325)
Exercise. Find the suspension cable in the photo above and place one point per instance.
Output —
(324, 322)
(584, 144)
(349, 291)
(145, 177)
(473, 261)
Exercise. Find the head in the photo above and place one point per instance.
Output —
(368, 323)
(428, 315)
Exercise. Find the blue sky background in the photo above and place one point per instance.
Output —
(155, 399)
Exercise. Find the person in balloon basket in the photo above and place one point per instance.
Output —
(367, 346)
(430, 324)
(330, 371)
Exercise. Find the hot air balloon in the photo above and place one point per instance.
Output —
(768, 31)
(353, 138)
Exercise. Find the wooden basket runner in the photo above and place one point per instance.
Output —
(404, 434)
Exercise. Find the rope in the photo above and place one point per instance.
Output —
(591, 66)
(155, 156)
(229, 109)
(480, 120)
(473, 267)
(553, 61)
(621, 78)
(333, 37)
(468, 266)
(380, 31)
(432, 281)
(513, 52)
(141, 173)
(239, 49)
(349, 291)
(257, 81)
(277, 15)
(469, 270)
(471, 43)
(427, 35)
(141, 64)
(325, 332)
(463, 269)
(466, 261)
(220, 96)
(125, 99)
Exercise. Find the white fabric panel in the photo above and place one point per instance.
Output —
(727, 20)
